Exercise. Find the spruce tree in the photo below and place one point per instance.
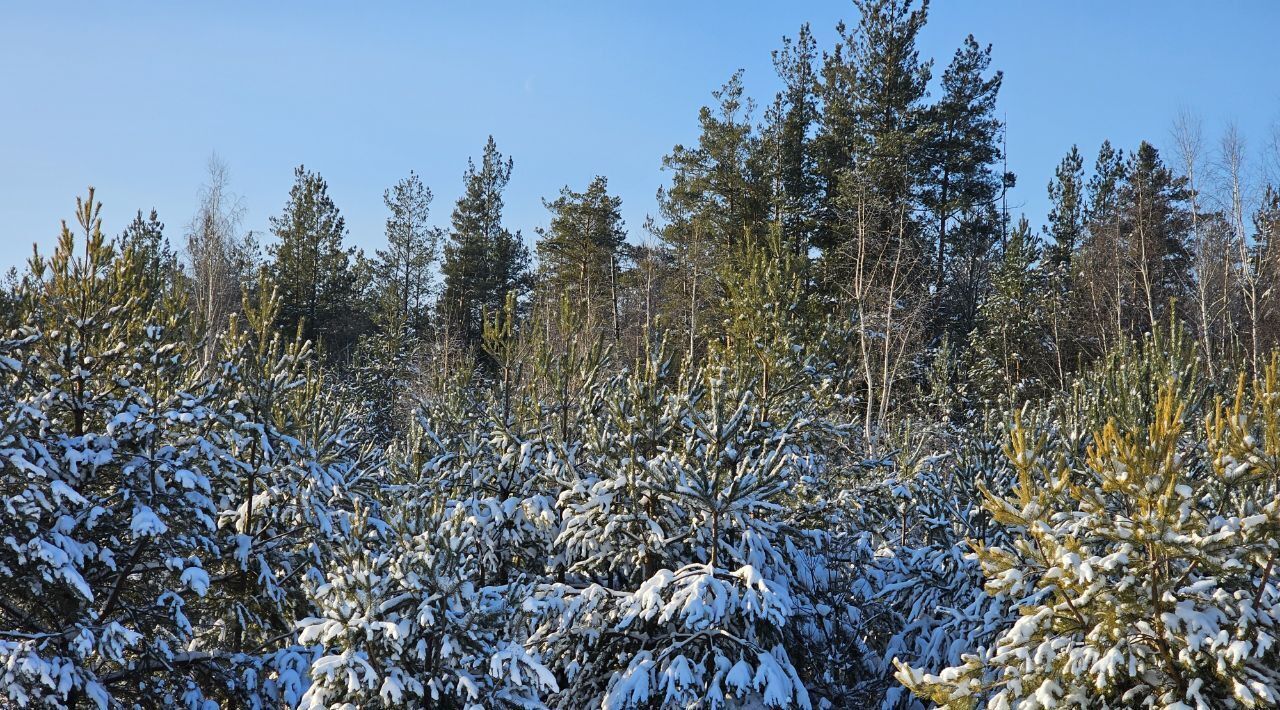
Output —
(1264, 267)
(1010, 338)
(1156, 225)
(1066, 235)
(483, 260)
(1098, 273)
(146, 236)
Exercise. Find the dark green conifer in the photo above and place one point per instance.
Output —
(1066, 215)
(483, 260)
(402, 271)
(964, 183)
(312, 267)
(581, 251)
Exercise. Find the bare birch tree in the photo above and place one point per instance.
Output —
(884, 291)
(1233, 195)
(1208, 254)
(219, 257)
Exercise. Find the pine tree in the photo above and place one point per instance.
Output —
(716, 204)
(402, 623)
(106, 478)
(1141, 572)
(645, 280)
(397, 283)
(483, 261)
(311, 267)
(769, 318)
(787, 144)
(715, 185)
(580, 253)
(873, 131)
(403, 269)
(9, 285)
(684, 584)
(875, 260)
(300, 461)
(1066, 213)
(1135, 262)
(963, 184)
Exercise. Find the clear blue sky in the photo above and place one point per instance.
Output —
(133, 97)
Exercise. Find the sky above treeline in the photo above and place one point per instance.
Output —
(134, 97)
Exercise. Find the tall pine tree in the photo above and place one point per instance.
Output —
(787, 143)
(581, 251)
(483, 260)
(873, 133)
(964, 184)
(402, 271)
(715, 204)
(871, 141)
(312, 268)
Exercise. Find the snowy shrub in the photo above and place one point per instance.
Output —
(912, 591)
(684, 583)
(1143, 576)
(107, 482)
(422, 607)
(160, 512)
(402, 623)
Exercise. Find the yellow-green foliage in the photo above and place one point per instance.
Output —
(1141, 576)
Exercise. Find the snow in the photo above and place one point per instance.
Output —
(146, 523)
(663, 537)
(196, 579)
